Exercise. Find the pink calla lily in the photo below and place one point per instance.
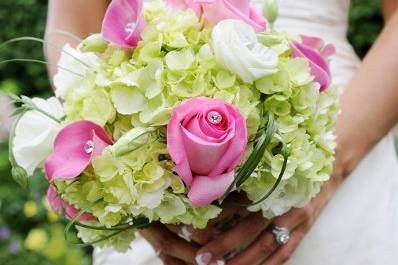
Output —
(59, 205)
(318, 64)
(123, 23)
(74, 148)
(326, 50)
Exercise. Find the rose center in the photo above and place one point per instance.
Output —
(214, 117)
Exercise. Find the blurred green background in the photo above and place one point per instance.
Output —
(29, 232)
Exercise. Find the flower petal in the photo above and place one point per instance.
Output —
(319, 45)
(175, 146)
(35, 134)
(236, 48)
(328, 50)
(319, 67)
(206, 189)
(71, 212)
(123, 23)
(53, 199)
(236, 147)
(185, 4)
(218, 10)
(57, 204)
(312, 42)
(202, 155)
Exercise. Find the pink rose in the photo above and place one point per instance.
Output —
(316, 52)
(59, 205)
(214, 11)
(206, 139)
(123, 23)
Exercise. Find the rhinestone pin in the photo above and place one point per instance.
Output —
(89, 147)
(214, 117)
(130, 27)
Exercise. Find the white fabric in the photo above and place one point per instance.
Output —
(360, 224)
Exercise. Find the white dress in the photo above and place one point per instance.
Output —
(360, 224)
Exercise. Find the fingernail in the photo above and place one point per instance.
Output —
(203, 258)
(186, 233)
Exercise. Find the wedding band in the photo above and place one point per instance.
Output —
(185, 233)
(282, 234)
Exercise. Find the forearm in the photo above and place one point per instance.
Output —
(80, 18)
(370, 102)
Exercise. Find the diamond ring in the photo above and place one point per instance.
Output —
(282, 234)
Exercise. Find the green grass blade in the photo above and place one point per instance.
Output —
(40, 62)
(279, 179)
(137, 223)
(258, 152)
(255, 157)
(46, 43)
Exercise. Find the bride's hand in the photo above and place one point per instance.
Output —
(178, 245)
(252, 238)
(170, 248)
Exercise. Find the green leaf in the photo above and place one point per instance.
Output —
(20, 176)
(18, 173)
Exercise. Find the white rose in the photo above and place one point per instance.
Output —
(35, 134)
(236, 48)
(72, 65)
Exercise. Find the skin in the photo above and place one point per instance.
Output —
(250, 234)
(72, 18)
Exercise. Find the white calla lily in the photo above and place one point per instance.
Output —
(35, 134)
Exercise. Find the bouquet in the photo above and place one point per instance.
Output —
(171, 108)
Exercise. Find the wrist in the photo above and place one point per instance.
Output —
(350, 149)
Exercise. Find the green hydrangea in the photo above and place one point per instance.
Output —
(133, 90)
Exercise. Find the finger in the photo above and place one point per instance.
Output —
(266, 244)
(189, 234)
(232, 212)
(244, 233)
(256, 252)
(284, 252)
(169, 244)
(168, 260)
(233, 205)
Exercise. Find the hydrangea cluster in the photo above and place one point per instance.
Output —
(177, 59)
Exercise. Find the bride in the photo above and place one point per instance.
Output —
(354, 220)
